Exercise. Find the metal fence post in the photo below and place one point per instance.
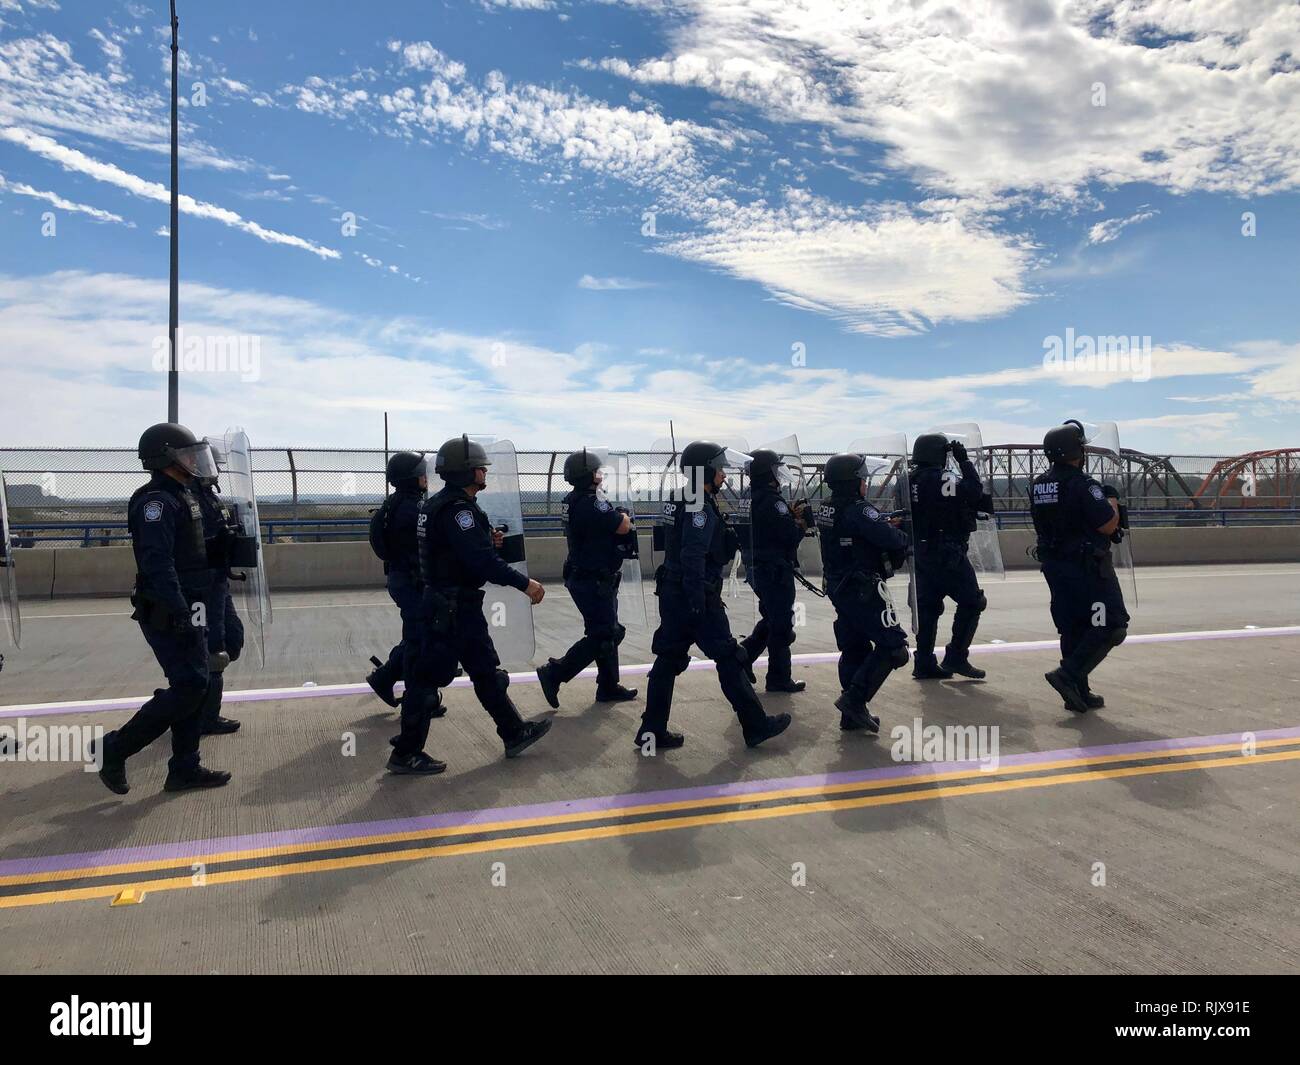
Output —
(293, 480)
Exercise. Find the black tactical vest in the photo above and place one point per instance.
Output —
(1058, 535)
(190, 552)
(439, 567)
(843, 554)
(722, 545)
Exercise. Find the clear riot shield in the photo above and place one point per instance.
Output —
(248, 580)
(984, 550)
(890, 492)
(665, 480)
(1105, 461)
(13, 621)
(616, 489)
(508, 611)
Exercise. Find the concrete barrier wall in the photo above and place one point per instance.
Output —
(110, 571)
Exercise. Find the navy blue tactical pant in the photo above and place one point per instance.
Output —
(403, 590)
(774, 585)
(184, 660)
(1087, 609)
(945, 572)
(597, 601)
(225, 633)
(430, 664)
(870, 641)
(709, 629)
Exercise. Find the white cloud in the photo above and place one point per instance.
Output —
(1108, 230)
(524, 121)
(612, 284)
(43, 87)
(519, 5)
(996, 95)
(889, 270)
(483, 221)
(73, 160)
(84, 342)
(886, 271)
(96, 213)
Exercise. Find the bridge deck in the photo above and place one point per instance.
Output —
(822, 852)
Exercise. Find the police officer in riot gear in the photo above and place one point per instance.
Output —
(698, 545)
(944, 509)
(457, 552)
(770, 562)
(860, 549)
(392, 538)
(225, 632)
(598, 535)
(173, 578)
(1077, 519)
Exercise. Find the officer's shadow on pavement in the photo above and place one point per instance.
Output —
(1170, 791)
(676, 850)
(1022, 730)
(390, 797)
(861, 750)
(86, 816)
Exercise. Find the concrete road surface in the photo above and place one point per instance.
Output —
(1159, 834)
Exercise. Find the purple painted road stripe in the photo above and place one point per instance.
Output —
(329, 691)
(374, 831)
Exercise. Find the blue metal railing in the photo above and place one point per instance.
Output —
(315, 530)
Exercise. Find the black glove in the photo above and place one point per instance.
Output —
(959, 451)
(1109, 491)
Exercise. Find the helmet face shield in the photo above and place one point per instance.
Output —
(731, 459)
(197, 460)
(786, 476)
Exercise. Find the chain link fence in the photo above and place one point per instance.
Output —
(79, 495)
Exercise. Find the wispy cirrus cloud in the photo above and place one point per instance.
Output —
(22, 189)
(1110, 229)
(45, 88)
(78, 162)
(612, 284)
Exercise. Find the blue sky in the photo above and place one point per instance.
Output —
(865, 216)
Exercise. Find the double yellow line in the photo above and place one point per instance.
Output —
(919, 788)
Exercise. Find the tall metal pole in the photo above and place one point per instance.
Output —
(173, 377)
(385, 452)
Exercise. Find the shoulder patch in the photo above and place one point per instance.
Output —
(870, 511)
(1097, 493)
(781, 508)
(153, 511)
(699, 519)
(603, 505)
(465, 519)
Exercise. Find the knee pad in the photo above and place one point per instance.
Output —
(898, 658)
(217, 662)
(673, 665)
(500, 679)
(619, 633)
(1118, 636)
(981, 604)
